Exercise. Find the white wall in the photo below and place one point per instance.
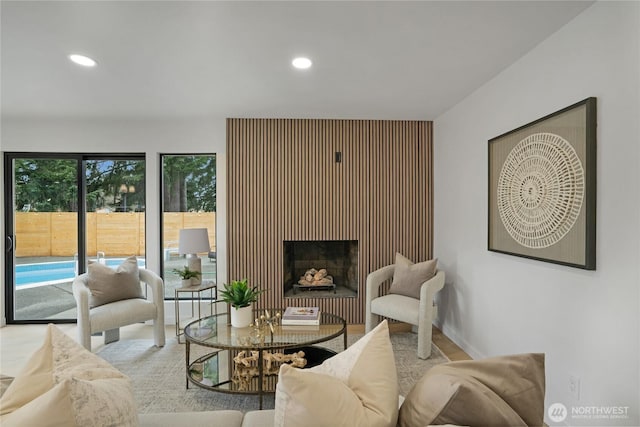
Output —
(586, 322)
(151, 137)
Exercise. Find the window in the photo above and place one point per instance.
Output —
(188, 201)
(62, 210)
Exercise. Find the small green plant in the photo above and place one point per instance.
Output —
(186, 274)
(239, 294)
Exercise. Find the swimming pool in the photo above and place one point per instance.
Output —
(50, 273)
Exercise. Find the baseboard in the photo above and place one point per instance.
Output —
(462, 343)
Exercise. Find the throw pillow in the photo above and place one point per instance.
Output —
(64, 384)
(409, 277)
(499, 391)
(109, 285)
(357, 387)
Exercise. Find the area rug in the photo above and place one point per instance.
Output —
(158, 374)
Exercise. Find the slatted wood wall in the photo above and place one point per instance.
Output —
(284, 184)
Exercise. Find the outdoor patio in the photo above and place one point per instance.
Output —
(55, 301)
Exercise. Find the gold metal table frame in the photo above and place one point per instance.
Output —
(215, 332)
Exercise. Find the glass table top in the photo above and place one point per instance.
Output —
(215, 331)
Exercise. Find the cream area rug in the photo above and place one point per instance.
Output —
(158, 374)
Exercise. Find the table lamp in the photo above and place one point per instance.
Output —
(190, 243)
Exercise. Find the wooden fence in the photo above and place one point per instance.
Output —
(41, 234)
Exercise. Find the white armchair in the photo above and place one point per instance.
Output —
(419, 313)
(110, 317)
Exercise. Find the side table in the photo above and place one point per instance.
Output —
(196, 298)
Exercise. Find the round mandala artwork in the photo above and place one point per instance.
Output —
(540, 190)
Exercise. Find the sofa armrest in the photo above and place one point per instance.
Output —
(261, 418)
(227, 418)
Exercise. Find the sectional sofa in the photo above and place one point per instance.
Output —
(63, 384)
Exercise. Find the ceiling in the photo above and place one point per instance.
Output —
(375, 60)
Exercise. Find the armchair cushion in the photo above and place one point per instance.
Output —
(499, 391)
(109, 285)
(409, 277)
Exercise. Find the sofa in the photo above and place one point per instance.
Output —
(63, 384)
(262, 418)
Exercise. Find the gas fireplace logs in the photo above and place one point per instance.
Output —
(313, 277)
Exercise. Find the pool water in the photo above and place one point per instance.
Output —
(47, 273)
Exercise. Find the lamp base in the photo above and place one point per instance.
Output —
(195, 264)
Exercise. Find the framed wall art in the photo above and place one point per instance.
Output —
(542, 188)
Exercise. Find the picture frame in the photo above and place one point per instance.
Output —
(542, 188)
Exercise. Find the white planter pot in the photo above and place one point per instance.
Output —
(241, 317)
(186, 283)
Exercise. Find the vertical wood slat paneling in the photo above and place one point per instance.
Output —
(284, 184)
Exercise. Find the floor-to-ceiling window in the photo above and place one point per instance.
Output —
(188, 201)
(61, 211)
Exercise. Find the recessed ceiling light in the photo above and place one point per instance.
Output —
(82, 60)
(301, 63)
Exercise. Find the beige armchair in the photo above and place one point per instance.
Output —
(110, 317)
(419, 313)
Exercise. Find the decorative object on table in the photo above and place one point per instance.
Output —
(301, 316)
(241, 296)
(266, 323)
(210, 371)
(191, 242)
(187, 275)
(246, 365)
(542, 188)
(206, 372)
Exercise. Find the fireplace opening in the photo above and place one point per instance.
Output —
(320, 268)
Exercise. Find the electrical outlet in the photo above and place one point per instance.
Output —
(574, 387)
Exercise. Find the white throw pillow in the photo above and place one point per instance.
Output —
(357, 387)
(64, 384)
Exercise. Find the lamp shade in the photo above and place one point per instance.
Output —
(193, 241)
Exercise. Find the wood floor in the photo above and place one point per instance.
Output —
(448, 347)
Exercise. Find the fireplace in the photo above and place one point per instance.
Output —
(320, 268)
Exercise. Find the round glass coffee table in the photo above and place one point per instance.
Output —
(216, 369)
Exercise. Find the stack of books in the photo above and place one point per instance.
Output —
(301, 316)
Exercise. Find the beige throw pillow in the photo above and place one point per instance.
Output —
(409, 277)
(109, 285)
(357, 387)
(65, 384)
(494, 392)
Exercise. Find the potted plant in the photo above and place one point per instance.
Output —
(186, 275)
(241, 296)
